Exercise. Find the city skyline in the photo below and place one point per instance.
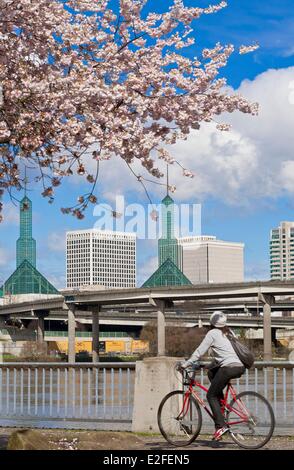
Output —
(60, 245)
(280, 250)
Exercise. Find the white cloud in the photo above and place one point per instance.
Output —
(223, 163)
(4, 259)
(289, 52)
(10, 215)
(57, 241)
(257, 270)
(57, 280)
(287, 175)
(147, 269)
(7, 264)
(255, 160)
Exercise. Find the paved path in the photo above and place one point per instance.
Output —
(100, 440)
(205, 443)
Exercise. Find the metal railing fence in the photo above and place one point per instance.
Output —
(101, 396)
(80, 395)
(88, 334)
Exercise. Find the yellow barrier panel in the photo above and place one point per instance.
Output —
(111, 346)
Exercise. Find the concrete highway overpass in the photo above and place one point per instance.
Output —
(91, 304)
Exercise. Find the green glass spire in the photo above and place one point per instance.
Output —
(169, 272)
(168, 247)
(25, 245)
(26, 279)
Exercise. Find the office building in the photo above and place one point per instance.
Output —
(282, 251)
(100, 257)
(206, 259)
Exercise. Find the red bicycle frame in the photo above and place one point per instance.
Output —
(241, 412)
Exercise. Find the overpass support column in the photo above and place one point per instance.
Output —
(268, 301)
(267, 335)
(160, 304)
(41, 331)
(71, 334)
(160, 330)
(95, 334)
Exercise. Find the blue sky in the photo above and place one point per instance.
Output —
(245, 181)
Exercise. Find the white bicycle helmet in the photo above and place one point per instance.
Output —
(218, 319)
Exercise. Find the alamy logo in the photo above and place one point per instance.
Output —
(149, 221)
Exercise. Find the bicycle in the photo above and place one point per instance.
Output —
(249, 415)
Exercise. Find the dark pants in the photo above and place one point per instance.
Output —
(219, 377)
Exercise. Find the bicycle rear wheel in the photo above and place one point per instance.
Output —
(179, 426)
(257, 424)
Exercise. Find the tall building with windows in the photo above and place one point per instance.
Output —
(100, 257)
(206, 259)
(282, 251)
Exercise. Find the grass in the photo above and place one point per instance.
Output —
(9, 357)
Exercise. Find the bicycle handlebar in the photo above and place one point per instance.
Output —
(198, 366)
(189, 373)
(192, 367)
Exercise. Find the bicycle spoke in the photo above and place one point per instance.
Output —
(179, 419)
(251, 420)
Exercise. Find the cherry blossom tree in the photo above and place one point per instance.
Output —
(82, 82)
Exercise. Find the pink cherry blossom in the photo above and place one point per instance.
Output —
(78, 87)
(245, 49)
(154, 215)
(188, 173)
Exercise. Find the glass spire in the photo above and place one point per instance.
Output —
(25, 245)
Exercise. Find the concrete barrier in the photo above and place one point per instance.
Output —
(155, 377)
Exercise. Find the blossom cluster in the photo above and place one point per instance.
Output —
(80, 81)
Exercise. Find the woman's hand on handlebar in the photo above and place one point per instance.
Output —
(180, 366)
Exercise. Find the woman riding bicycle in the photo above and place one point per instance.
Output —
(226, 366)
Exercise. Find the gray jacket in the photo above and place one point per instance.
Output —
(221, 347)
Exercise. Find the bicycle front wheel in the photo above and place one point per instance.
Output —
(251, 420)
(179, 418)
